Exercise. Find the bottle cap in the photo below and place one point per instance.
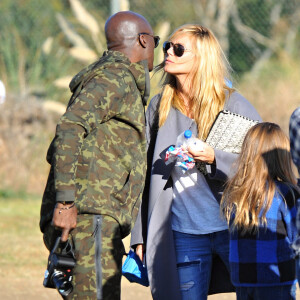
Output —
(187, 134)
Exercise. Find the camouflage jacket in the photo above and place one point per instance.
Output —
(98, 155)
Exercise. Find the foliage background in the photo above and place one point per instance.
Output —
(45, 43)
(37, 46)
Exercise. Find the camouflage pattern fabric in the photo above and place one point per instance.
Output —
(97, 242)
(98, 155)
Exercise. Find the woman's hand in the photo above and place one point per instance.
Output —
(140, 250)
(206, 155)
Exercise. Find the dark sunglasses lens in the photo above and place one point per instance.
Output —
(156, 41)
(166, 46)
(178, 50)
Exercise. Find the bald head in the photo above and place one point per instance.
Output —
(122, 29)
(122, 34)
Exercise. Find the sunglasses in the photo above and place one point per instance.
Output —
(177, 48)
(155, 37)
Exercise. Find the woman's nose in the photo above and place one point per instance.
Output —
(170, 51)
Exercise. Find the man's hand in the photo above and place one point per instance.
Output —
(65, 218)
(140, 250)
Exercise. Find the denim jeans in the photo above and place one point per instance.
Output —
(284, 292)
(194, 260)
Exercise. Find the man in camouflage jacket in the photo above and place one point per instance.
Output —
(98, 158)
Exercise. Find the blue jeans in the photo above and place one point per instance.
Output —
(194, 260)
(284, 292)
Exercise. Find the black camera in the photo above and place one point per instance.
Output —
(60, 268)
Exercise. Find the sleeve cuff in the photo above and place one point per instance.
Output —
(65, 196)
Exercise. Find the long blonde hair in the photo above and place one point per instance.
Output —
(265, 157)
(207, 89)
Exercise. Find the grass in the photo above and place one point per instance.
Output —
(275, 92)
(22, 246)
(23, 257)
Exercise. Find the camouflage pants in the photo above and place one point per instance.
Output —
(99, 250)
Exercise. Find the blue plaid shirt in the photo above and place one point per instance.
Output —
(265, 258)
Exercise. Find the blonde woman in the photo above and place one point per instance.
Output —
(179, 228)
(260, 205)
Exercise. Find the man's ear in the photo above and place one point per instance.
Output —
(142, 40)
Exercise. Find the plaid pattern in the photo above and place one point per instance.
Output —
(266, 258)
(294, 130)
(296, 243)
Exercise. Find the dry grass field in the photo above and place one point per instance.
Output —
(23, 257)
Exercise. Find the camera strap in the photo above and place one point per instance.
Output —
(66, 247)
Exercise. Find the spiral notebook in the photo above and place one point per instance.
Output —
(227, 133)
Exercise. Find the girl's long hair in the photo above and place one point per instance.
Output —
(207, 80)
(265, 157)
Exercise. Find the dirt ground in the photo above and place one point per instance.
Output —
(32, 289)
(20, 282)
(24, 287)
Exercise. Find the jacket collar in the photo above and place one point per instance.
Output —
(139, 71)
(141, 75)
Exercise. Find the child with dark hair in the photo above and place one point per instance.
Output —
(259, 204)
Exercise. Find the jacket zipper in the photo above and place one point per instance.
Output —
(98, 250)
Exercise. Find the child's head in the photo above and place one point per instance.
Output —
(266, 150)
(265, 157)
